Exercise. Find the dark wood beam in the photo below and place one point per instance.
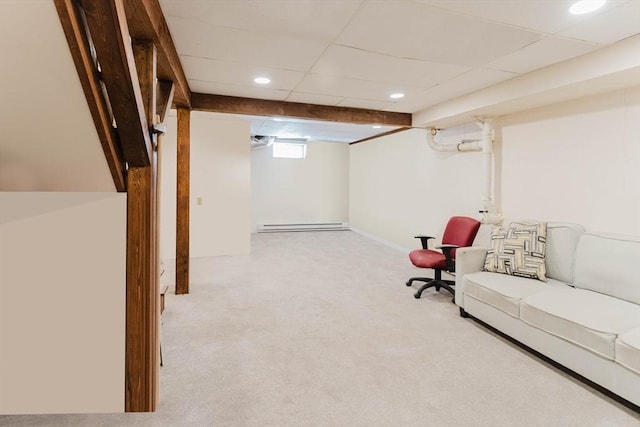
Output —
(391, 132)
(144, 54)
(73, 26)
(146, 22)
(182, 202)
(166, 91)
(262, 107)
(107, 24)
(141, 338)
(143, 302)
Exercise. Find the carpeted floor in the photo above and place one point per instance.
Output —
(318, 329)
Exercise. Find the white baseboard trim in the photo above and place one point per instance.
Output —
(381, 240)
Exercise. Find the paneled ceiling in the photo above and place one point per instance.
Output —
(356, 53)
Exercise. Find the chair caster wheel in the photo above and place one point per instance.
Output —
(408, 283)
(417, 295)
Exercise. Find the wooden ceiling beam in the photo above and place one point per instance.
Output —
(107, 24)
(261, 107)
(146, 22)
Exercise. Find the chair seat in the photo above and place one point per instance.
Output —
(426, 258)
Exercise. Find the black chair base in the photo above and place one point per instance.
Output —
(432, 283)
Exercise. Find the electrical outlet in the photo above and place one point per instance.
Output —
(199, 201)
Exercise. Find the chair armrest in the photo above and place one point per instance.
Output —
(468, 260)
(447, 251)
(424, 240)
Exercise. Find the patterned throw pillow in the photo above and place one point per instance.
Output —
(518, 250)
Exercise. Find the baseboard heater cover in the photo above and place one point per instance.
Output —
(324, 226)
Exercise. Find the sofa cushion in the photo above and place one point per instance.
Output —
(628, 350)
(562, 239)
(518, 250)
(504, 292)
(609, 264)
(589, 319)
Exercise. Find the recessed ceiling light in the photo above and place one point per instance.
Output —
(262, 80)
(277, 119)
(585, 6)
(396, 95)
(377, 126)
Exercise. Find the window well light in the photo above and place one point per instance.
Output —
(289, 150)
(396, 95)
(262, 80)
(586, 6)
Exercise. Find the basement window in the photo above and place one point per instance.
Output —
(289, 150)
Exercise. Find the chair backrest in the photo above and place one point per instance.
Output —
(460, 231)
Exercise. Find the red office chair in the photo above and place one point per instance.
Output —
(460, 232)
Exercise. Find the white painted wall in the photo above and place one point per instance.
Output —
(311, 190)
(399, 187)
(62, 302)
(48, 141)
(220, 175)
(577, 161)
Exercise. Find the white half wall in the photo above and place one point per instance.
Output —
(294, 191)
(577, 161)
(220, 187)
(62, 302)
(48, 141)
(399, 187)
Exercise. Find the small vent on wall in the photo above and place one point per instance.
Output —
(325, 226)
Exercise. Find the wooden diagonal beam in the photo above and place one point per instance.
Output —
(73, 26)
(166, 91)
(380, 135)
(146, 21)
(107, 24)
(262, 107)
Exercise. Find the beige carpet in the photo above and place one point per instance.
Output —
(318, 329)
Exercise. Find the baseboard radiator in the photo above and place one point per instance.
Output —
(324, 226)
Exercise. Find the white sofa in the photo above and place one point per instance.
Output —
(585, 317)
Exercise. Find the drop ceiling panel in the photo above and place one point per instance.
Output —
(200, 86)
(547, 16)
(352, 88)
(416, 30)
(614, 25)
(359, 64)
(195, 38)
(356, 52)
(305, 19)
(466, 83)
(542, 53)
(238, 74)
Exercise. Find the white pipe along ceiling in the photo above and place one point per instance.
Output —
(485, 145)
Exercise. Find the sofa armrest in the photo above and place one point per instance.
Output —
(468, 260)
